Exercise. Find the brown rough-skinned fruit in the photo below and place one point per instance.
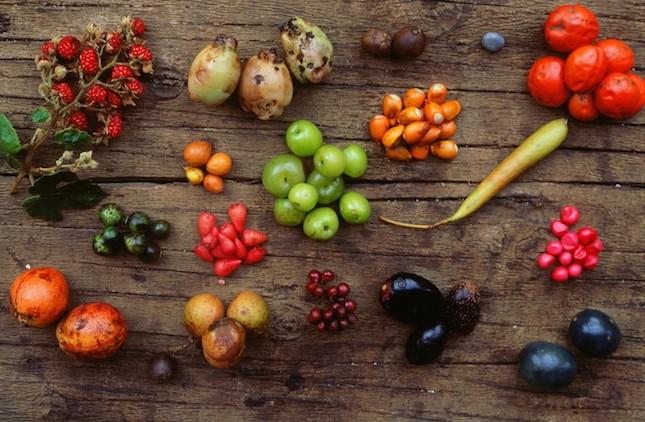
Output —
(376, 43)
(462, 310)
(92, 331)
(38, 297)
(224, 343)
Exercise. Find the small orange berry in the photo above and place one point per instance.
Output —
(448, 129)
(437, 93)
(197, 153)
(451, 109)
(214, 183)
(379, 124)
(446, 150)
(414, 97)
(220, 164)
(392, 105)
(393, 135)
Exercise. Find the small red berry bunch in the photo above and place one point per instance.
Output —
(231, 244)
(573, 252)
(340, 313)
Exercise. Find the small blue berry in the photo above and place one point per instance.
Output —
(493, 42)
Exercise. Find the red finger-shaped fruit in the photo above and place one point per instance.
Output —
(240, 249)
(226, 266)
(203, 253)
(238, 212)
(205, 223)
(228, 230)
(227, 245)
(253, 238)
(257, 254)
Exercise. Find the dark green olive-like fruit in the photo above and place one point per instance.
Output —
(111, 214)
(547, 365)
(376, 43)
(100, 246)
(160, 229)
(138, 222)
(408, 42)
(426, 343)
(135, 243)
(411, 298)
(595, 333)
(112, 237)
(462, 307)
(162, 367)
(151, 252)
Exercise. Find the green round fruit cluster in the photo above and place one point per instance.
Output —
(136, 233)
(298, 197)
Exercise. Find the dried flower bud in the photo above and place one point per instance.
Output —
(43, 63)
(60, 72)
(44, 90)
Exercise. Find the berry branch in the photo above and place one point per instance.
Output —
(85, 84)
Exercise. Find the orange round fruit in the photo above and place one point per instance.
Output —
(618, 96)
(213, 183)
(197, 153)
(219, 164)
(38, 297)
(546, 82)
(620, 56)
(581, 107)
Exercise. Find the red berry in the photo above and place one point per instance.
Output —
(311, 287)
(314, 316)
(569, 241)
(65, 92)
(78, 119)
(203, 253)
(48, 48)
(114, 40)
(321, 326)
(328, 275)
(575, 270)
(560, 274)
(314, 276)
(140, 52)
(343, 289)
(238, 212)
(122, 71)
(69, 47)
(554, 248)
(344, 324)
(545, 260)
(565, 258)
(226, 266)
(253, 237)
(89, 61)
(227, 245)
(569, 215)
(96, 95)
(595, 247)
(336, 306)
(351, 306)
(114, 125)
(334, 326)
(205, 223)
(114, 99)
(352, 318)
(138, 27)
(240, 250)
(558, 228)
(341, 312)
(591, 262)
(579, 254)
(587, 235)
(319, 291)
(135, 86)
(328, 314)
(332, 292)
(228, 230)
(255, 255)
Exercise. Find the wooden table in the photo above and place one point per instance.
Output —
(293, 372)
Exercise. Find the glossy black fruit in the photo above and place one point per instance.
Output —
(547, 365)
(160, 229)
(408, 42)
(411, 298)
(151, 252)
(112, 237)
(100, 247)
(462, 307)
(595, 333)
(138, 222)
(426, 343)
(135, 243)
(162, 367)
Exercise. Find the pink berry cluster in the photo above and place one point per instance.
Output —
(573, 251)
(340, 312)
(88, 81)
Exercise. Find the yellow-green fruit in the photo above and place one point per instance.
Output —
(202, 311)
(215, 72)
(249, 309)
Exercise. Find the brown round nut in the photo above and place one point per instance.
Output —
(376, 43)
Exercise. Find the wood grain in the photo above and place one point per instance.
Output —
(293, 372)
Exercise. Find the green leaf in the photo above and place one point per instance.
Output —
(72, 138)
(61, 191)
(9, 141)
(40, 115)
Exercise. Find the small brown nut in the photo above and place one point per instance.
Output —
(408, 42)
(376, 43)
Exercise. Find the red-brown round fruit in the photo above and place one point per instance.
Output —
(581, 107)
(224, 343)
(546, 82)
(641, 87)
(92, 331)
(584, 69)
(38, 297)
(618, 96)
(620, 56)
(570, 26)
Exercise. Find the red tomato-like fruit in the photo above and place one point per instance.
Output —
(618, 96)
(584, 69)
(546, 82)
(641, 87)
(569, 27)
(620, 56)
(581, 107)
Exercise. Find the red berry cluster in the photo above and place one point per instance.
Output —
(340, 313)
(95, 76)
(231, 244)
(573, 252)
